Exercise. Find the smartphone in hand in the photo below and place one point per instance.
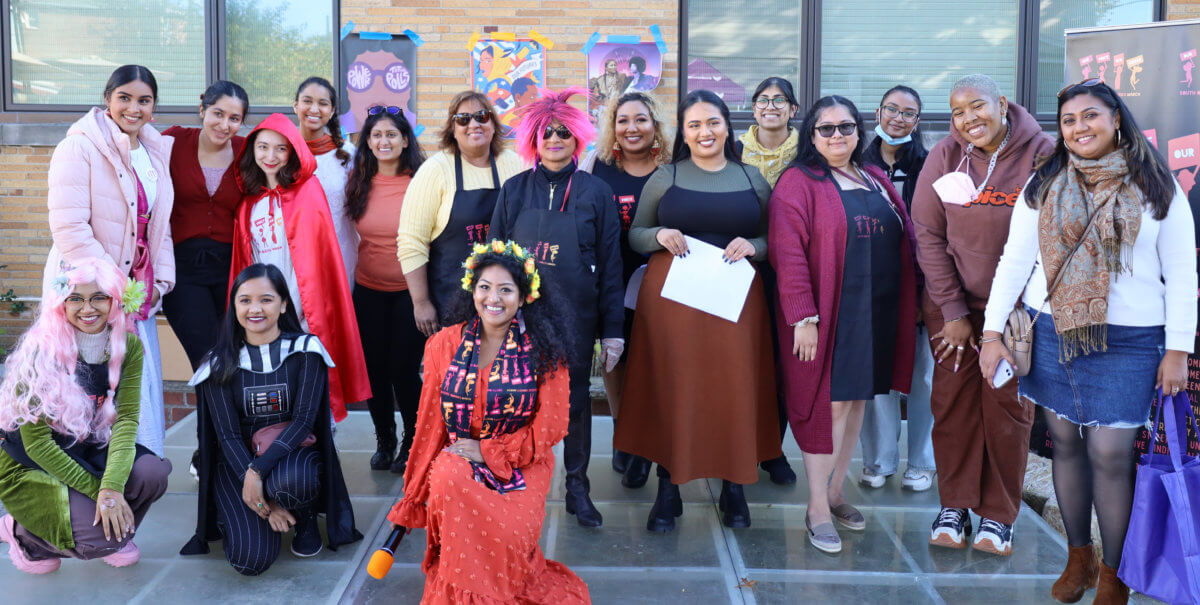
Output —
(1004, 373)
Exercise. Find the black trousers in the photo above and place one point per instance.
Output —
(392, 346)
(250, 545)
(577, 445)
(196, 306)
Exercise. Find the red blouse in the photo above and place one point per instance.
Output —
(197, 214)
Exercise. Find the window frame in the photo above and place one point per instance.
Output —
(215, 65)
(808, 85)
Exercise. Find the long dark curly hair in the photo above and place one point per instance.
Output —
(546, 320)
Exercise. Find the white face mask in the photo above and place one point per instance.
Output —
(889, 139)
(956, 187)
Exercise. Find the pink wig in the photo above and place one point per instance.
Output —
(40, 382)
(553, 107)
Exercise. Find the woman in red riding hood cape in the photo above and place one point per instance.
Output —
(283, 219)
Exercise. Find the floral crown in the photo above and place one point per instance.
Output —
(509, 248)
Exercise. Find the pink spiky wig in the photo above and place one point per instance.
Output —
(40, 382)
(553, 107)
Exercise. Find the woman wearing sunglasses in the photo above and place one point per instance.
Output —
(315, 106)
(568, 219)
(449, 203)
(898, 150)
(1134, 278)
(391, 342)
(699, 395)
(961, 208)
(842, 246)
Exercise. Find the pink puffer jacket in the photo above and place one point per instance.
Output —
(93, 199)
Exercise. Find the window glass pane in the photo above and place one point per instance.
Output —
(1057, 15)
(273, 45)
(732, 46)
(64, 52)
(868, 46)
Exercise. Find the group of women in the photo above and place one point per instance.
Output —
(334, 271)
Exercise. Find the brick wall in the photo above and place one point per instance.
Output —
(1183, 9)
(24, 238)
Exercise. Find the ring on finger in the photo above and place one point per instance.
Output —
(959, 347)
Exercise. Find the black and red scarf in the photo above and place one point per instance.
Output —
(511, 394)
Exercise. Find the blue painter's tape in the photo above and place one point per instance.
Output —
(374, 36)
(587, 46)
(346, 29)
(658, 39)
(418, 130)
(412, 35)
(623, 39)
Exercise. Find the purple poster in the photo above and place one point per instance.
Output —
(615, 69)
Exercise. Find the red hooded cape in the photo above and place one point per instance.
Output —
(324, 293)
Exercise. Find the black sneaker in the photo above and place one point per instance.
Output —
(951, 528)
(994, 537)
(307, 541)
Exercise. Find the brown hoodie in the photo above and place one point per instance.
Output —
(958, 247)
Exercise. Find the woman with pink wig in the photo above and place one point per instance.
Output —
(71, 478)
(568, 219)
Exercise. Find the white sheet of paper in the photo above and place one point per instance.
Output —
(702, 280)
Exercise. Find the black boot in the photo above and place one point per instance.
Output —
(667, 504)
(579, 503)
(781, 472)
(620, 461)
(637, 472)
(577, 447)
(733, 504)
(400, 463)
(385, 450)
(307, 541)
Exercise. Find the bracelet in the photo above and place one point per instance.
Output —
(814, 320)
(957, 318)
(987, 340)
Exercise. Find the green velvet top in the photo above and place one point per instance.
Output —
(37, 499)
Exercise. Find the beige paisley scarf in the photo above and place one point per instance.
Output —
(771, 162)
(1080, 304)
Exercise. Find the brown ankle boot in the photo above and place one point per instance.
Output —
(1079, 576)
(1112, 591)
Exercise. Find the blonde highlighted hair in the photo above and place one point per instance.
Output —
(607, 139)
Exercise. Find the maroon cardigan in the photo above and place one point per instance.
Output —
(196, 213)
(808, 251)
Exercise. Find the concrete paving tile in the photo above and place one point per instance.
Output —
(655, 586)
(403, 584)
(845, 589)
(777, 539)
(361, 480)
(624, 541)
(206, 579)
(76, 578)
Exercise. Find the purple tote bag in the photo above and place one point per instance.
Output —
(1161, 556)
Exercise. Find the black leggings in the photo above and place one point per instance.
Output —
(250, 545)
(196, 306)
(392, 346)
(1093, 466)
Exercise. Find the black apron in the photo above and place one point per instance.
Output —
(553, 236)
(865, 337)
(470, 216)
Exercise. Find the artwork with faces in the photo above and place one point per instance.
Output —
(376, 72)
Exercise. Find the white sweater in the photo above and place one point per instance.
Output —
(1160, 291)
(333, 176)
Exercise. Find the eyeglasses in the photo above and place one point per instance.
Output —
(97, 301)
(375, 110)
(562, 131)
(776, 102)
(360, 76)
(1090, 82)
(846, 128)
(482, 116)
(892, 111)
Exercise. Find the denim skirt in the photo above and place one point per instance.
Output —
(1112, 388)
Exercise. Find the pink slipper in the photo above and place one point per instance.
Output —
(17, 554)
(128, 555)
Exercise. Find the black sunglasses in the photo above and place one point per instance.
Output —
(375, 110)
(562, 131)
(846, 128)
(1090, 82)
(482, 116)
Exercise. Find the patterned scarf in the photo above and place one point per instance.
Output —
(771, 162)
(1080, 304)
(321, 145)
(511, 394)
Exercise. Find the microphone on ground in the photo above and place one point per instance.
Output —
(381, 562)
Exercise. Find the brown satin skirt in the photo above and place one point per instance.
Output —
(699, 394)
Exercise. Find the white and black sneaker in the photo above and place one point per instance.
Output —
(951, 528)
(994, 537)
